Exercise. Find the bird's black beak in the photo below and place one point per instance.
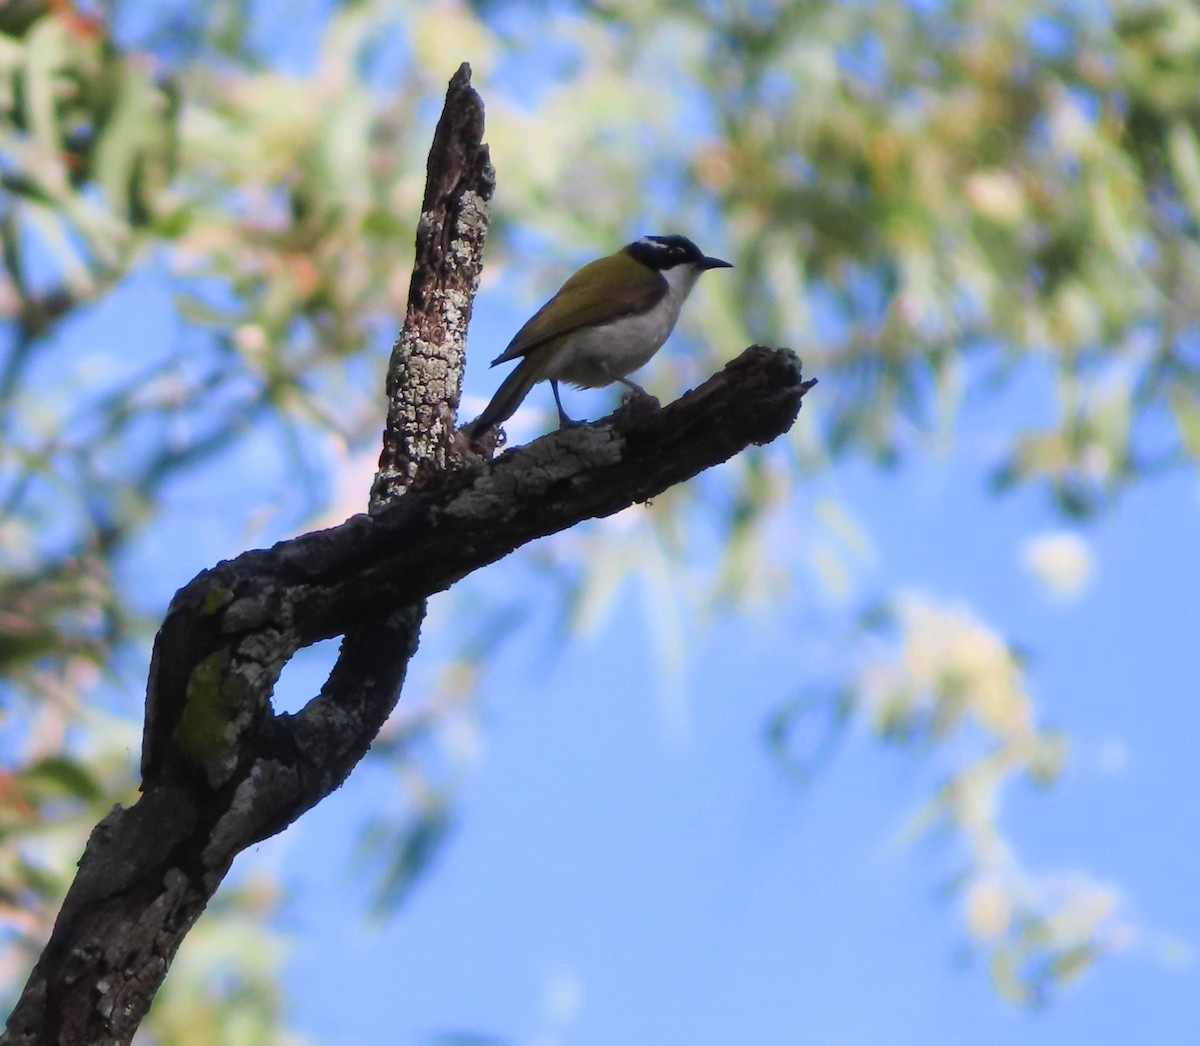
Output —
(715, 263)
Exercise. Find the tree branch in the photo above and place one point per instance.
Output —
(148, 872)
(220, 768)
(424, 380)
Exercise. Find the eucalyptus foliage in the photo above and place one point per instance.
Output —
(927, 201)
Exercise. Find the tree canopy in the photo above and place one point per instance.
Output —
(207, 216)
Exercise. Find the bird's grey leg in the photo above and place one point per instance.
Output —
(634, 387)
(637, 395)
(564, 422)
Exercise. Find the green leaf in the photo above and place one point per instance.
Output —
(59, 776)
(1186, 408)
(45, 52)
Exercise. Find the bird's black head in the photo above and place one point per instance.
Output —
(665, 252)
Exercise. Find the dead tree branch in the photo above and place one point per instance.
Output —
(220, 768)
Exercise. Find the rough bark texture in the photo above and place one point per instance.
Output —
(220, 769)
(424, 380)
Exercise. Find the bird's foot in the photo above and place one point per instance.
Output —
(481, 441)
(637, 401)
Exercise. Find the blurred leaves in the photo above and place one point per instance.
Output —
(206, 187)
(1061, 561)
(919, 199)
(931, 676)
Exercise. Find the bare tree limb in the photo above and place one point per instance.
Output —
(149, 871)
(424, 380)
(220, 768)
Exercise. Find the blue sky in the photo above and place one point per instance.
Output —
(611, 881)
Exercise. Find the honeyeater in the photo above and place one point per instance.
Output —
(604, 323)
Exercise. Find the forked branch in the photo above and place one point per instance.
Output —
(220, 768)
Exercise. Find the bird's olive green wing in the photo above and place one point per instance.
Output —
(601, 292)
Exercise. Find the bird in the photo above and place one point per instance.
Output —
(604, 323)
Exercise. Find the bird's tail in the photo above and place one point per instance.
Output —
(508, 398)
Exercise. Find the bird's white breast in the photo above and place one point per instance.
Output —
(598, 356)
